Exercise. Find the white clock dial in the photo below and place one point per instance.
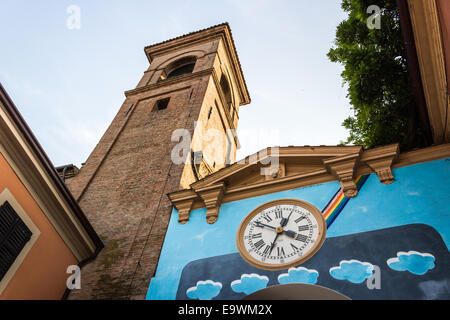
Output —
(282, 234)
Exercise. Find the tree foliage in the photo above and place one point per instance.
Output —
(376, 72)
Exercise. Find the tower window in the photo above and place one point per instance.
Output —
(183, 66)
(162, 104)
(188, 68)
(14, 235)
(225, 86)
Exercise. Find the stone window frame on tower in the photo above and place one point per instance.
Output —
(227, 92)
(179, 67)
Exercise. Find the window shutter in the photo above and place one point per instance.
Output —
(14, 234)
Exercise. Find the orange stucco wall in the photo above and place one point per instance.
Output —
(42, 275)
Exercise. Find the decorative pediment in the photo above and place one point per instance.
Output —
(284, 168)
(285, 161)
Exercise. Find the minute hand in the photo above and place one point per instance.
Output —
(260, 224)
(284, 221)
(289, 233)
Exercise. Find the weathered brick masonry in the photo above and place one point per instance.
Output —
(123, 185)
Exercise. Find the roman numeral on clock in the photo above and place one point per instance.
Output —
(280, 251)
(257, 235)
(301, 237)
(294, 248)
(299, 219)
(278, 213)
(267, 218)
(259, 244)
(266, 250)
(303, 228)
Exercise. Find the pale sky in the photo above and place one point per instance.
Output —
(69, 83)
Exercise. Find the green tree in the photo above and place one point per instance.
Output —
(376, 72)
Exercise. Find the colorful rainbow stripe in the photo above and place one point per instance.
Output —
(338, 202)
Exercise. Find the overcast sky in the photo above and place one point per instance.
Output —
(69, 83)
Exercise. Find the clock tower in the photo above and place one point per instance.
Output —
(177, 126)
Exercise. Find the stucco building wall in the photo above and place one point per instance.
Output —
(42, 274)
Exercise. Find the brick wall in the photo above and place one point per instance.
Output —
(123, 185)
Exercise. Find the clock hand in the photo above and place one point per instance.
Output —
(284, 221)
(260, 224)
(273, 243)
(290, 233)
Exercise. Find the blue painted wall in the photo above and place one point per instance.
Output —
(420, 194)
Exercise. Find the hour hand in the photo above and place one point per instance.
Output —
(290, 233)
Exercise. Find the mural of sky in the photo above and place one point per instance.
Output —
(350, 264)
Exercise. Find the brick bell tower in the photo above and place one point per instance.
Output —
(194, 83)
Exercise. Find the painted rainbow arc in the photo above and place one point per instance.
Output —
(338, 202)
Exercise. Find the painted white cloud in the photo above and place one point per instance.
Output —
(249, 283)
(354, 271)
(364, 209)
(412, 261)
(299, 275)
(201, 237)
(204, 290)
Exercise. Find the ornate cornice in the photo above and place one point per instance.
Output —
(344, 168)
(212, 197)
(343, 164)
(183, 201)
(380, 160)
(169, 82)
(300, 152)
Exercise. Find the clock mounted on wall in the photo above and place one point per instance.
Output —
(281, 234)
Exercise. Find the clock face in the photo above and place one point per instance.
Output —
(281, 234)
